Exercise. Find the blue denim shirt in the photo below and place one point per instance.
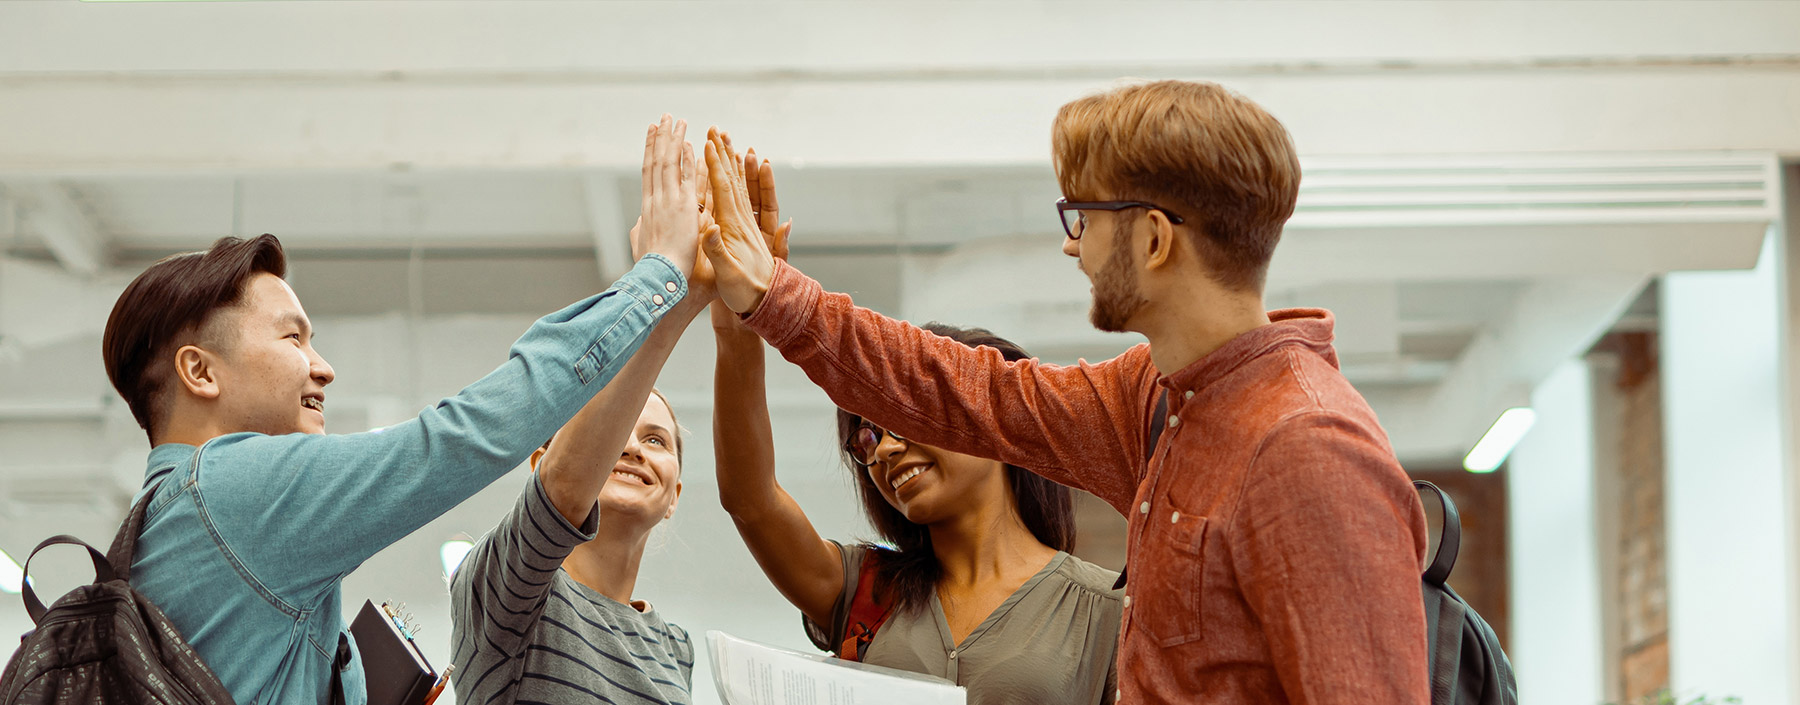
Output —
(249, 537)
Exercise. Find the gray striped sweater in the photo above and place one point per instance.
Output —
(525, 632)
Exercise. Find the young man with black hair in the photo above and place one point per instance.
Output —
(258, 516)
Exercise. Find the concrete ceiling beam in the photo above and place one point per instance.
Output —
(145, 124)
(50, 211)
(520, 36)
(1551, 321)
(610, 218)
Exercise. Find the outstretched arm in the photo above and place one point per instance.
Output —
(1083, 425)
(336, 500)
(804, 567)
(578, 463)
(499, 592)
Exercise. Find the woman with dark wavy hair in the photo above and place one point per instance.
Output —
(975, 583)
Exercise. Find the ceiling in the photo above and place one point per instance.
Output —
(1476, 271)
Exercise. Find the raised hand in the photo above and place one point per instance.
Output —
(703, 282)
(760, 185)
(741, 256)
(759, 181)
(669, 220)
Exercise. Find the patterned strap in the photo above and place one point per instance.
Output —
(867, 611)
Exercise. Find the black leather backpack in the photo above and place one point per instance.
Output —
(1467, 665)
(105, 643)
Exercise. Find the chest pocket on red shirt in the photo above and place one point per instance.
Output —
(1168, 598)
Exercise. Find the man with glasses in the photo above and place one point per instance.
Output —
(1275, 543)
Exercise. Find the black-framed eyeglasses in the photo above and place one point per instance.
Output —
(864, 443)
(1074, 222)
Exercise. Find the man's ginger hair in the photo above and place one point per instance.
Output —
(1220, 161)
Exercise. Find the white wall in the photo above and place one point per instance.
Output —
(1556, 643)
(1724, 403)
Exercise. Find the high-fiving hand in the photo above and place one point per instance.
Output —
(669, 222)
(742, 250)
(759, 177)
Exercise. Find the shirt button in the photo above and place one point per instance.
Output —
(1127, 602)
(1174, 420)
(953, 654)
(1119, 695)
(1188, 395)
(658, 299)
(1174, 517)
(671, 287)
(1144, 508)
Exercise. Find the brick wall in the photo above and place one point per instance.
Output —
(1642, 597)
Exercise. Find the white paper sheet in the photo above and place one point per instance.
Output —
(749, 673)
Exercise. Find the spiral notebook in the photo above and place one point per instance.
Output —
(394, 667)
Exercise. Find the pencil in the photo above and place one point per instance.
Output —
(438, 689)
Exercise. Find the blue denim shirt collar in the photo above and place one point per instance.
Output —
(165, 456)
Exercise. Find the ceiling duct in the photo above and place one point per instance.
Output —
(1537, 189)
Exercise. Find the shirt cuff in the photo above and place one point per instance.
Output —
(787, 306)
(656, 282)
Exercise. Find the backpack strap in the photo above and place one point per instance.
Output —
(113, 565)
(1451, 540)
(124, 545)
(103, 572)
(1158, 419)
(867, 611)
(337, 669)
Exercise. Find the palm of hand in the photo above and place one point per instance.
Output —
(737, 248)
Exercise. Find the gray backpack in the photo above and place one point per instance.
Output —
(105, 643)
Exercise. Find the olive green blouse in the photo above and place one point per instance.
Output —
(1051, 642)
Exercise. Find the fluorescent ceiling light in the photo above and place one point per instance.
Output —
(453, 553)
(12, 577)
(1499, 440)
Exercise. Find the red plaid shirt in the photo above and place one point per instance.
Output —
(1275, 544)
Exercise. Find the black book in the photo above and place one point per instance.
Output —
(397, 673)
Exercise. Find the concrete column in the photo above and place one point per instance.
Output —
(1557, 637)
(1724, 406)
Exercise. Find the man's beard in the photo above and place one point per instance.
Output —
(1116, 295)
